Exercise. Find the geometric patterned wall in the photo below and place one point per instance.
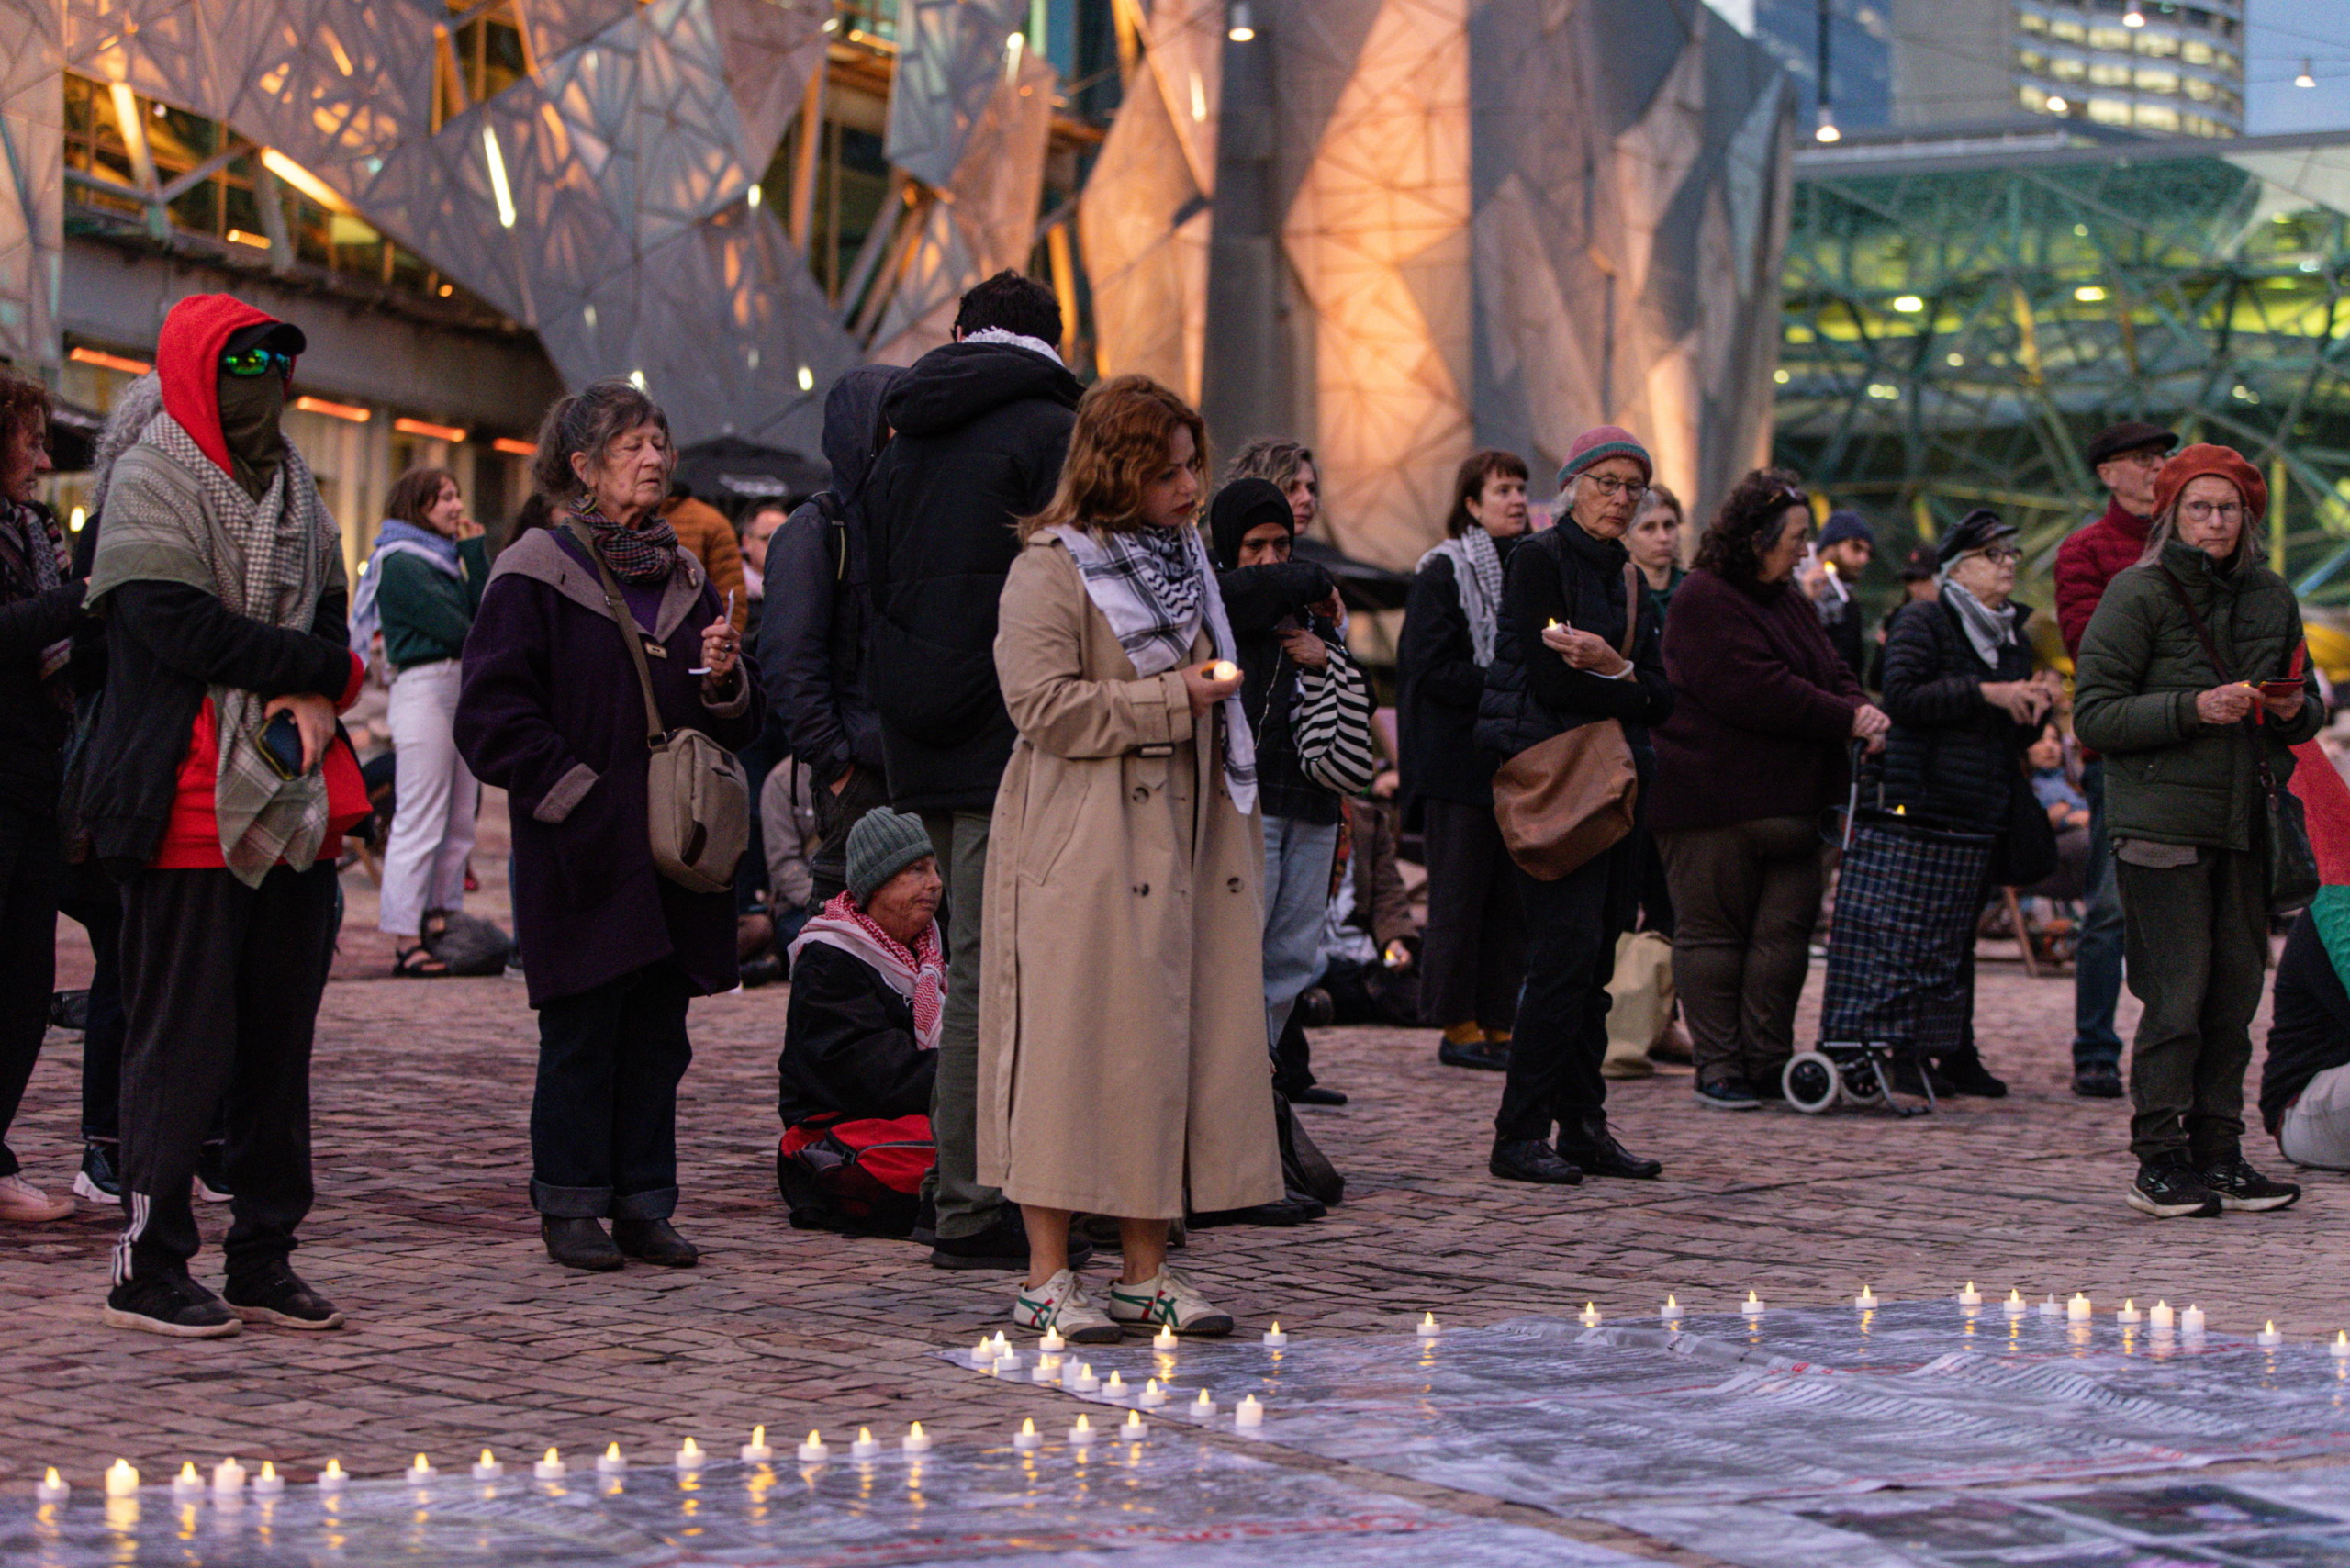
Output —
(1144, 224)
(1633, 175)
(970, 116)
(625, 160)
(32, 176)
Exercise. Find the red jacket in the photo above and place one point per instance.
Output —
(2088, 561)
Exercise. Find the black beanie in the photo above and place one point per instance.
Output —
(1240, 505)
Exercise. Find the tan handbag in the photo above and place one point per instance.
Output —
(1639, 1003)
(697, 797)
(1563, 803)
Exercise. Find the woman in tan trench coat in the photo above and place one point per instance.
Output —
(1121, 1038)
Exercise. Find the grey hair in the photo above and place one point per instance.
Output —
(1270, 458)
(2251, 545)
(134, 410)
(587, 422)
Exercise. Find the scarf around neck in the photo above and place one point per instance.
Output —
(1987, 630)
(394, 538)
(1156, 610)
(1477, 572)
(33, 563)
(642, 555)
(918, 974)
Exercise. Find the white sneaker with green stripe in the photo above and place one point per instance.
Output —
(1167, 1301)
(1060, 1303)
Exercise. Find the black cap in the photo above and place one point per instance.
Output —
(2129, 435)
(1978, 530)
(1919, 564)
(284, 336)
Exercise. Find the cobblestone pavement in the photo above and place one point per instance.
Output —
(465, 1335)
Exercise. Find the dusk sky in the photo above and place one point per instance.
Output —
(2283, 34)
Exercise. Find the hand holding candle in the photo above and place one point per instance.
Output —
(1209, 684)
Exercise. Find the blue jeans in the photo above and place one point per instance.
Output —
(2097, 963)
(1297, 895)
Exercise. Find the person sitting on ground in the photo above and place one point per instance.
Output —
(2305, 1084)
(1369, 947)
(860, 1038)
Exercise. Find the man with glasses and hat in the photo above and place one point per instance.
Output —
(216, 787)
(2126, 456)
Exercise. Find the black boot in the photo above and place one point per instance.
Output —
(578, 1243)
(1531, 1159)
(654, 1241)
(1967, 1075)
(1593, 1147)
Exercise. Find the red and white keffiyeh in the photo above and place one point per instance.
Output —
(919, 975)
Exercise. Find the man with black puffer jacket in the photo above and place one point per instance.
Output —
(982, 426)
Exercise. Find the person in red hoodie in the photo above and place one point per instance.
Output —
(2127, 456)
(220, 577)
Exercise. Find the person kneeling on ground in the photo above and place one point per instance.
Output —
(2305, 1085)
(860, 1040)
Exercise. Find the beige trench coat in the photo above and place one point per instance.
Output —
(1122, 1008)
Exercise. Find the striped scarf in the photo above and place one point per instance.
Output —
(642, 554)
(918, 974)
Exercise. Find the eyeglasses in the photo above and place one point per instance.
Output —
(2000, 555)
(257, 362)
(2145, 457)
(1610, 487)
(2204, 511)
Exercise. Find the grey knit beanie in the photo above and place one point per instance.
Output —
(882, 843)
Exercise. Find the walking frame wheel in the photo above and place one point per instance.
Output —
(1811, 1082)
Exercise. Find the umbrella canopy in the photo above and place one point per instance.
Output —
(728, 469)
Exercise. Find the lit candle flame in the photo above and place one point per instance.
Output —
(487, 1457)
(914, 1430)
(758, 1437)
(612, 1450)
(1027, 1426)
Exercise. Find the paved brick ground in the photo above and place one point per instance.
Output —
(465, 1335)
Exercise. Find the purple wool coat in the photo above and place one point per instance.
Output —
(1762, 708)
(551, 712)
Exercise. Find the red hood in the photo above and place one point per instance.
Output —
(2325, 800)
(187, 361)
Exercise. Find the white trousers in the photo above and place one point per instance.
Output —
(2316, 1128)
(432, 820)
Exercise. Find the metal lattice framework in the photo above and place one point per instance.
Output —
(1956, 330)
(32, 175)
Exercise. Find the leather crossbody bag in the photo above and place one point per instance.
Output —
(1563, 803)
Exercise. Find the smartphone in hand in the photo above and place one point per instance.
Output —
(281, 746)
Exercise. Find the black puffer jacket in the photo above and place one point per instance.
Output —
(812, 638)
(32, 726)
(1439, 686)
(848, 1044)
(1258, 600)
(1951, 759)
(981, 431)
(1565, 575)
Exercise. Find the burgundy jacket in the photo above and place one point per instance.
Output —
(2088, 561)
(1762, 708)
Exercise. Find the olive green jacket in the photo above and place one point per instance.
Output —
(2169, 777)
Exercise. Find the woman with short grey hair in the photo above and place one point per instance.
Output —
(552, 709)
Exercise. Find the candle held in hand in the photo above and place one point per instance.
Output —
(1223, 669)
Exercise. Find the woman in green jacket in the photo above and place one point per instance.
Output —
(2191, 683)
(421, 587)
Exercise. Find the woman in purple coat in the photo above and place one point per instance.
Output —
(552, 712)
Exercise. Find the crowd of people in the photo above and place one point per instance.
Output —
(1038, 755)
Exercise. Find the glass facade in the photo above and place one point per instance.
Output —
(2175, 69)
(1955, 329)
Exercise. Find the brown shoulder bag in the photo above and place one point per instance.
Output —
(1563, 803)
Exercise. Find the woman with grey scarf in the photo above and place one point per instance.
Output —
(1965, 704)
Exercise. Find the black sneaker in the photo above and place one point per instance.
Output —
(1727, 1094)
(2169, 1187)
(1531, 1159)
(99, 1180)
(1485, 1056)
(2240, 1187)
(1908, 1079)
(1966, 1073)
(1003, 1245)
(274, 1293)
(1594, 1148)
(2097, 1080)
(171, 1304)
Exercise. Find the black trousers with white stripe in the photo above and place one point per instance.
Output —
(222, 983)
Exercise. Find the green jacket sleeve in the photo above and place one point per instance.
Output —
(2110, 712)
(417, 608)
(474, 555)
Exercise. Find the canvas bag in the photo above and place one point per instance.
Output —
(697, 798)
(1333, 730)
(1640, 1002)
(1563, 803)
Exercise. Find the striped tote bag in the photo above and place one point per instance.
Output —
(1334, 727)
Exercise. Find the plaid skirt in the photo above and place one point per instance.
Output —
(1906, 902)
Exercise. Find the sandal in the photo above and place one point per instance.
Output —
(417, 963)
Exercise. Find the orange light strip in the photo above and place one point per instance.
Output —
(105, 360)
(512, 448)
(450, 434)
(356, 415)
(258, 241)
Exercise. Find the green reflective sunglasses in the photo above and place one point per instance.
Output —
(257, 362)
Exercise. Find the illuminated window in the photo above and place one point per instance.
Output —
(2199, 90)
(2031, 59)
(2155, 117)
(2195, 51)
(2106, 74)
(2108, 37)
(2067, 68)
(2163, 46)
(2032, 22)
(2070, 31)
(2108, 111)
(2156, 79)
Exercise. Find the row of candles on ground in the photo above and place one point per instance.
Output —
(2160, 1318)
(998, 1356)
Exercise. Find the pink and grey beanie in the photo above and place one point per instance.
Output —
(1600, 444)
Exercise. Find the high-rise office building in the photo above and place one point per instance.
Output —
(2153, 66)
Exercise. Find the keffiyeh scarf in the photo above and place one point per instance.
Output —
(1155, 587)
(33, 563)
(1477, 570)
(918, 974)
(642, 554)
(1987, 630)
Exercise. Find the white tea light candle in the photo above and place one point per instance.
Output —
(1205, 1405)
(187, 1483)
(228, 1478)
(2339, 1350)
(1866, 1299)
(1027, 1438)
(689, 1455)
(52, 1488)
(1115, 1388)
(757, 1450)
(1970, 1297)
(2268, 1335)
(1082, 1435)
(330, 1479)
(1164, 1339)
(2077, 1310)
(2191, 1320)
(1081, 1381)
(1134, 1427)
(1152, 1395)
(916, 1441)
(1428, 1330)
(1671, 1310)
(612, 1462)
(2015, 1305)
(122, 1478)
(815, 1451)
(1274, 1338)
(1589, 1315)
(1052, 1343)
(487, 1467)
(2129, 1314)
(268, 1484)
(867, 1446)
(1250, 1412)
(551, 1468)
(2161, 1316)
(419, 1469)
(1751, 1306)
